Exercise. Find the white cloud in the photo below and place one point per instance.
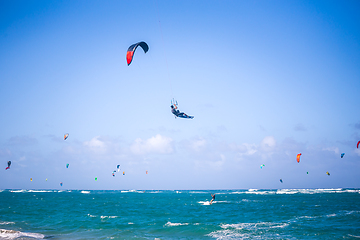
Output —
(268, 143)
(332, 149)
(158, 144)
(357, 151)
(199, 144)
(96, 145)
(245, 149)
(214, 164)
(300, 127)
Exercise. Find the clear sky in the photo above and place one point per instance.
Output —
(265, 80)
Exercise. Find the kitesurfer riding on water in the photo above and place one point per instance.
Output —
(213, 198)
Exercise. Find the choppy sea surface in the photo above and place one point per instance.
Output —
(133, 214)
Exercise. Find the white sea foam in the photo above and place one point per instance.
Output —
(261, 192)
(353, 236)
(253, 226)
(6, 223)
(227, 234)
(246, 230)
(39, 191)
(102, 217)
(132, 191)
(170, 224)
(17, 191)
(85, 192)
(11, 234)
(296, 191)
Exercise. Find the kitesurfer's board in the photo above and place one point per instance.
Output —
(206, 202)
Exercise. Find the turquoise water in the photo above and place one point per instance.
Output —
(235, 214)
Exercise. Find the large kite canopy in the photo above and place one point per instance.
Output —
(298, 157)
(132, 48)
(358, 144)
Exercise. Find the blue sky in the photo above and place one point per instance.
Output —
(265, 80)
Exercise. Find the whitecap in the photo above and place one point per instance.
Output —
(228, 234)
(11, 234)
(6, 223)
(170, 224)
(353, 236)
(39, 191)
(255, 226)
(102, 217)
(85, 192)
(17, 191)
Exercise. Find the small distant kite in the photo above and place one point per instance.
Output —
(262, 165)
(131, 50)
(67, 165)
(113, 173)
(342, 155)
(61, 183)
(357, 145)
(30, 179)
(298, 157)
(66, 135)
(95, 178)
(328, 173)
(281, 180)
(118, 168)
(124, 173)
(146, 172)
(307, 172)
(9, 164)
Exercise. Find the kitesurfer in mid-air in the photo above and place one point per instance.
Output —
(177, 113)
(213, 198)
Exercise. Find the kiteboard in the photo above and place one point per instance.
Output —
(206, 202)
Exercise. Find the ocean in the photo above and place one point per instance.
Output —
(180, 214)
